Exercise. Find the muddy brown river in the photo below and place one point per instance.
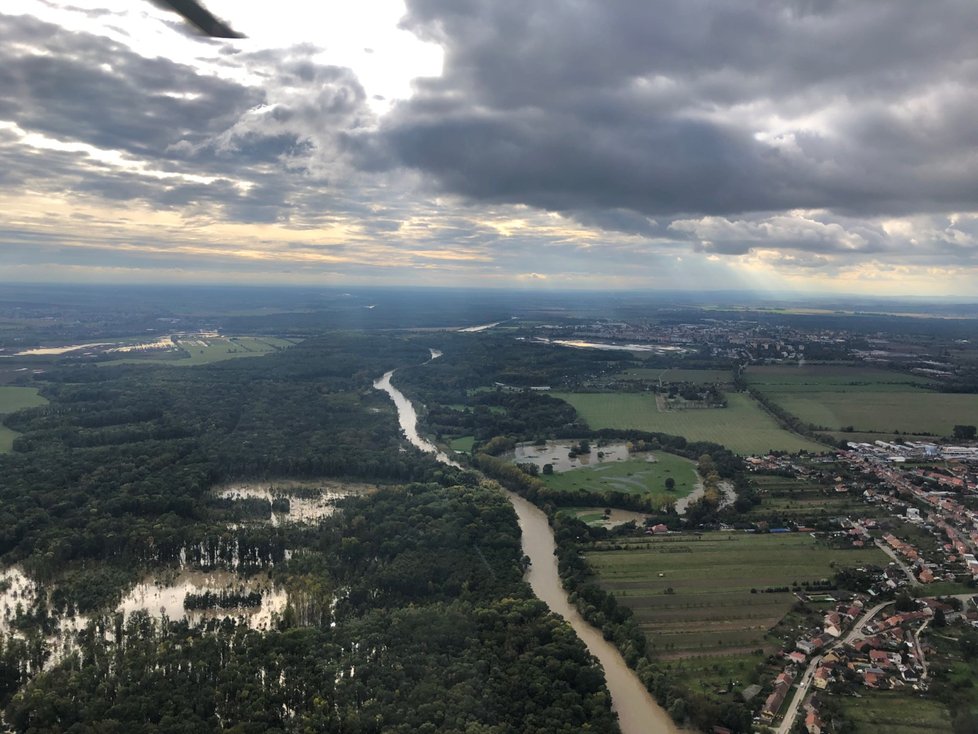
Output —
(638, 712)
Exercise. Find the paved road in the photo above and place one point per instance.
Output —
(803, 685)
(899, 561)
(857, 628)
(806, 680)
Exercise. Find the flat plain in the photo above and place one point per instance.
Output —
(743, 426)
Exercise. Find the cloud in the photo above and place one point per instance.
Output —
(677, 108)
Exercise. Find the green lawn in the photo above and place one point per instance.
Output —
(711, 609)
(17, 398)
(743, 426)
(633, 476)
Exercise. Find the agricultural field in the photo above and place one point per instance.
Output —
(880, 712)
(692, 594)
(819, 378)
(743, 426)
(631, 476)
(803, 501)
(863, 404)
(198, 350)
(871, 412)
(698, 377)
(13, 399)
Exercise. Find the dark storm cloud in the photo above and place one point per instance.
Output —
(93, 90)
(695, 107)
(169, 118)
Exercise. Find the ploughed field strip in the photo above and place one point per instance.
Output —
(804, 501)
(743, 426)
(693, 596)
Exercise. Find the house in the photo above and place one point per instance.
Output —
(798, 658)
(822, 677)
(805, 646)
(774, 702)
(880, 658)
(832, 624)
(813, 722)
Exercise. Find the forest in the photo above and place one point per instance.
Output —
(408, 614)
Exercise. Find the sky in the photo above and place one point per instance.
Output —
(782, 145)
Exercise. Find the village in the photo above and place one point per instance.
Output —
(874, 636)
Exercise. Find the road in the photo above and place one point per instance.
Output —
(806, 680)
(903, 566)
(856, 630)
(803, 685)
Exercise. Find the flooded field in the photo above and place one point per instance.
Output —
(558, 454)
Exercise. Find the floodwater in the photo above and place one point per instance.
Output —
(727, 494)
(61, 350)
(17, 589)
(304, 507)
(638, 712)
(607, 346)
(557, 453)
(165, 595)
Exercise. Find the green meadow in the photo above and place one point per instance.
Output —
(743, 426)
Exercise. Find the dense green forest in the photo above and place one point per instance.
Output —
(407, 614)
(119, 464)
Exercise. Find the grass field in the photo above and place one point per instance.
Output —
(711, 609)
(699, 377)
(633, 476)
(17, 398)
(785, 378)
(7, 437)
(743, 426)
(882, 412)
(878, 712)
(207, 350)
(13, 399)
(462, 443)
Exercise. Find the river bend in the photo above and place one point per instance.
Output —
(638, 712)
